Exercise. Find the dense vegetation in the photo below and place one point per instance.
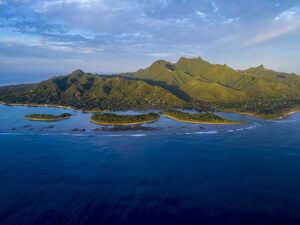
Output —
(47, 116)
(206, 117)
(114, 119)
(189, 83)
(258, 91)
(268, 109)
(92, 92)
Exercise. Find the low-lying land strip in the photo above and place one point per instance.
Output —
(47, 117)
(204, 118)
(114, 119)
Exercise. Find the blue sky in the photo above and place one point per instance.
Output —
(108, 36)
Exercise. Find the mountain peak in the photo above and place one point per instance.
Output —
(184, 59)
(78, 71)
(159, 64)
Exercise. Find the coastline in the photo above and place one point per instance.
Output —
(52, 106)
(292, 112)
(123, 124)
(95, 111)
(212, 123)
(282, 117)
(248, 114)
(39, 105)
(92, 111)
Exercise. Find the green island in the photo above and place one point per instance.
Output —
(47, 117)
(204, 118)
(114, 119)
(190, 83)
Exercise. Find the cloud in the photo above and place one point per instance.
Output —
(284, 23)
(273, 34)
(288, 14)
(161, 54)
(140, 29)
(215, 8)
(231, 20)
(201, 14)
(44, 6)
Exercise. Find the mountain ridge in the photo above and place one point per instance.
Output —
(190, 82)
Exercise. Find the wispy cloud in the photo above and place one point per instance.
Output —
(288, 14)
(139, 29)
(273, 34)
(284, 23)
(201, 14)
(161, 54)
(215, 7)
(44, 6)
(231, 20)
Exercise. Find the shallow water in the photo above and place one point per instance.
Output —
(181, 174)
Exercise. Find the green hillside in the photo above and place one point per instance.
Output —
(218, 83)
(91, 92)
(288, 82)
(187, 83)
(257, 91)
(192, 84)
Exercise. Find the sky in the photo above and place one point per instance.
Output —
(52, 37)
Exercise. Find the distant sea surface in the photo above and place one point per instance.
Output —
(180, 174)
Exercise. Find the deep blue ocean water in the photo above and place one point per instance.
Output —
(181, 174)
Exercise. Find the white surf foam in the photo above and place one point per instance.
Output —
(230, 131)
(10, 133)
(137, 135)
(113, 135)
(207, 132)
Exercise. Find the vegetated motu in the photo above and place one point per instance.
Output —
(188, 83)
(47, 116)
(206, 117)
(114, 119)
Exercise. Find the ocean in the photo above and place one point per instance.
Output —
(179, 174)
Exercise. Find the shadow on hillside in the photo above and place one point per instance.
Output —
(172, 88)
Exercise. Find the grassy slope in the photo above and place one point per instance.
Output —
(257, 91)
(188, 82)
(218, 83)
(195, 86)
(86, 91)
(274, 83)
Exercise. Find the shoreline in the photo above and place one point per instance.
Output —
(53, 106)
(283, 117)
(292, 112)
(248, 114)
(95, 111)
(123, 124)
(40, 105)
(211, 123)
